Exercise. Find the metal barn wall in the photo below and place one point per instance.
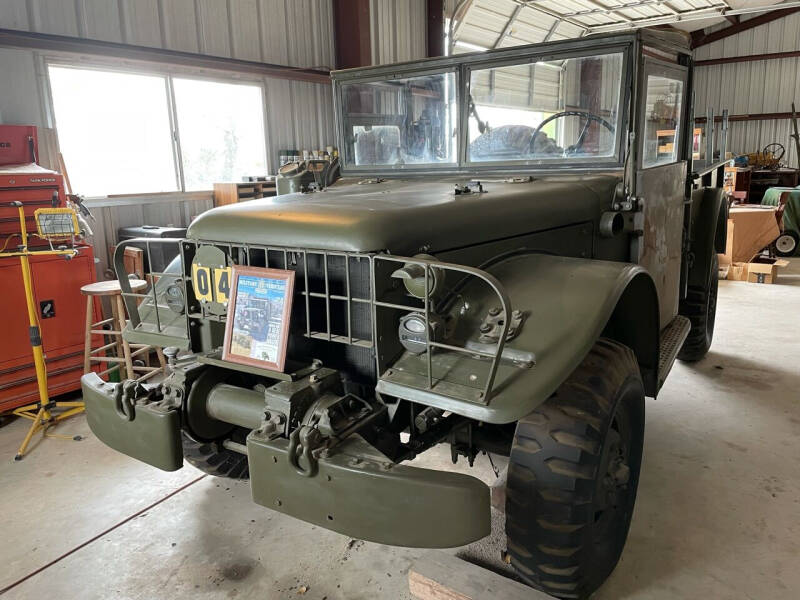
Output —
(765, 86)
(296, 33)
(398, 29)
(163, 209)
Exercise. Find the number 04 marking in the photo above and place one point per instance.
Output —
(201, 278)
(222, 284)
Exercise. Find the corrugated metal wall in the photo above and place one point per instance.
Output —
(753, 87)
(296, 33)
(111, 214)
(398, 30)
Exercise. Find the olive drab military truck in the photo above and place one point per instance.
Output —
(519, 248)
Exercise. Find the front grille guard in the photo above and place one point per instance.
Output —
(162, 319)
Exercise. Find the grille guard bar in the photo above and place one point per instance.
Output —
(150, 315)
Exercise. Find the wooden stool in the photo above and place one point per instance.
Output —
(125, 352)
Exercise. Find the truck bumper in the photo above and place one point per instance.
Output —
(356, 490)
(359, 492)
(152, 435)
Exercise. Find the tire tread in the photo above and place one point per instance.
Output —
(549, 492)
(214, 459)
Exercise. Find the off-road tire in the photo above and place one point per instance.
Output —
(700, 307)
(564, 531)
(214, 459)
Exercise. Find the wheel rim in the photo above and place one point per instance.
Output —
(613, 492)
(786, 244)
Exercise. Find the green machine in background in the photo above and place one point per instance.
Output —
(307, 175)
(788, 202)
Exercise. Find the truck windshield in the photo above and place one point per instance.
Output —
(400, 121)
(547, 110)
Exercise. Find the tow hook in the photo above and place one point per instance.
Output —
(304, 441)
(125, 396)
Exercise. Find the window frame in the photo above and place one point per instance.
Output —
(338, 99)
(659, 68)
(556, 163)
(462, 63)
(169, 75)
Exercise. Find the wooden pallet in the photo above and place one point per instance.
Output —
(442, 576)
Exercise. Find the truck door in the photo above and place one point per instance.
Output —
(661, 177)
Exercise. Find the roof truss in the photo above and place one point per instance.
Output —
(602, 16)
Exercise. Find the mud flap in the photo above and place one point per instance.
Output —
(359, 492)
(147, 432)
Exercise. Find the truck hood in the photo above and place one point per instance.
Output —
(404, 217)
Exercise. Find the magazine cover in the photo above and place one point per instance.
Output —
(260, 307)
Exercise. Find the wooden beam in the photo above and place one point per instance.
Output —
(438, 575)
(435, 37)
(351, 32)
(746, 58)
(701, 39)
(61, 43)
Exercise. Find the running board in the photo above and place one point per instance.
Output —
(672, 338)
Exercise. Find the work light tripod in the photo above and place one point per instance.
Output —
(55, 224)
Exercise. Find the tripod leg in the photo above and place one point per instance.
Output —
(67, 413)
(35, 426)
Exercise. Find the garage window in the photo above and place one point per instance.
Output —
(221, 130)
(131, 133)
(114, 131)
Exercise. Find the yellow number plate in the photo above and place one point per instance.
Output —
(204, 277)
(201, 281)
(222, 284)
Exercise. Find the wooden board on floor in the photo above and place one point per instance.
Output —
(442, 576)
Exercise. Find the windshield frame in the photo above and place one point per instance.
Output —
(399, 74)
(540, 163)
(463, 65)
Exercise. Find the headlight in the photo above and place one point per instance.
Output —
(174, 298)
(411, 332)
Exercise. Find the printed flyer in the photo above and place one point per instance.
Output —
(258, 319)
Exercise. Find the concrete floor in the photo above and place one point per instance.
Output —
(718, 514)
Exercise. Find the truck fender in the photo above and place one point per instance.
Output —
(708, 225)
(567, 303)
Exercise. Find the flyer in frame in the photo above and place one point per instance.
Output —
(260, 305)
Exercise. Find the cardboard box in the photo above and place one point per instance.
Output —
(738, 271)
(764, 270)
(750, 230)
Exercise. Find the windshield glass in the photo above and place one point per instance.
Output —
(400, 121)
(548, 110)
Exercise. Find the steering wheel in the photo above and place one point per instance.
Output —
(769, 149)
(571, 113)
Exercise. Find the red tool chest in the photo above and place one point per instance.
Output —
(62, 316)
(19, 145)
(56, 282)
(34, 186)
